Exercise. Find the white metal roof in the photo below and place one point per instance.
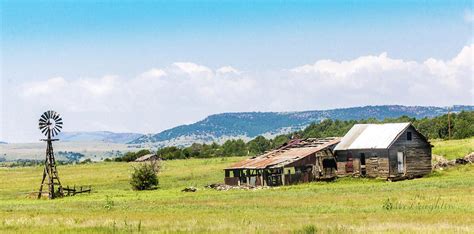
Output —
(144, 157)
(371, 136)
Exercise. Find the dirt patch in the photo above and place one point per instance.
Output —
(225, 187)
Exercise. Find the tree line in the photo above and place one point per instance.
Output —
(462, 126)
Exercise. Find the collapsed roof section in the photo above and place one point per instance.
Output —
(293, 151)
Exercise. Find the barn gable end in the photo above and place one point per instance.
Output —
(384, 150)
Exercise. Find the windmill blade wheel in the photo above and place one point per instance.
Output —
(50, 123)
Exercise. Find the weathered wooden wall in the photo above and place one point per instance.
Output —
(417, 153)
(376, 161)
(383, 162)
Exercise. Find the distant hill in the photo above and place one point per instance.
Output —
(101, 136)
(2, 142)
(247, 125)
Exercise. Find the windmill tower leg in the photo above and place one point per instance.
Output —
(51, 172)
(42, 182)
(45, 172)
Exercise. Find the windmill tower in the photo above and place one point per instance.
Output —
(50, 124)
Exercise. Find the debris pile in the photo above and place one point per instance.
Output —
(225, 187)
(444, 163)
(467, 159)
(189, 189)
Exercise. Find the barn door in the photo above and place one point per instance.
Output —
(401, 163)
(349, 163)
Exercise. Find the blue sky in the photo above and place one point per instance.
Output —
(262, 41)
(103, 35)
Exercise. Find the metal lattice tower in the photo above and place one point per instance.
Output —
(50, 124)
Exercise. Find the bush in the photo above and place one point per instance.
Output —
(129, 157)
(144, 176)
(387, 204)
(86, 161)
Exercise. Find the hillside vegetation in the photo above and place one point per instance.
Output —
(462, 126)
(248, 125)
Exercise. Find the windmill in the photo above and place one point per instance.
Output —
(50, 124)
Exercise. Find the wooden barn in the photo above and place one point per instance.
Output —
(298, 161)
(147, 157)
(391, 150)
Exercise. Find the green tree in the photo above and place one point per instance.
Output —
(234, 148)
(145, 176)
(258, 145)
(142, 152)
(279, 141)
(171, 152)
(463, 125)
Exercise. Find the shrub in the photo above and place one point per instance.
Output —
(129, 157)
(308, 229)
(387, 204)
(86, 161)
(109, 203)
(144, 176)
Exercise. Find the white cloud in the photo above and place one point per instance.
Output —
(455, 72)
(97, 87)
(187, 92)
(192, 68)
(43, 87)
(154, 73)
(227, 69)
(381, 72)
(362, 64)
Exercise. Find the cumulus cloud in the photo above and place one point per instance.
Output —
(227, 70)
(43, 87)
(97, 87)
(192, 68)
(185, 92)
(154, 73)
(374, 73)
(372, 64)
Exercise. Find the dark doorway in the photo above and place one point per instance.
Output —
(363, 170)
(350, 163)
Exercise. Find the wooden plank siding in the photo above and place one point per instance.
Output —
(376, 162)
(417, 154)
(384, 162)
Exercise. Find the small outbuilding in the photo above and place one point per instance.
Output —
(147, 157)
(390, 150)
(298, 161)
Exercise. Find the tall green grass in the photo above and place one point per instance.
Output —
(452, 149)
(441, 202)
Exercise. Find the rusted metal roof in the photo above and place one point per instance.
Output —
(293, 151)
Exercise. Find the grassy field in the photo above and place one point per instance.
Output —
(441, 202)
(453, 149)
